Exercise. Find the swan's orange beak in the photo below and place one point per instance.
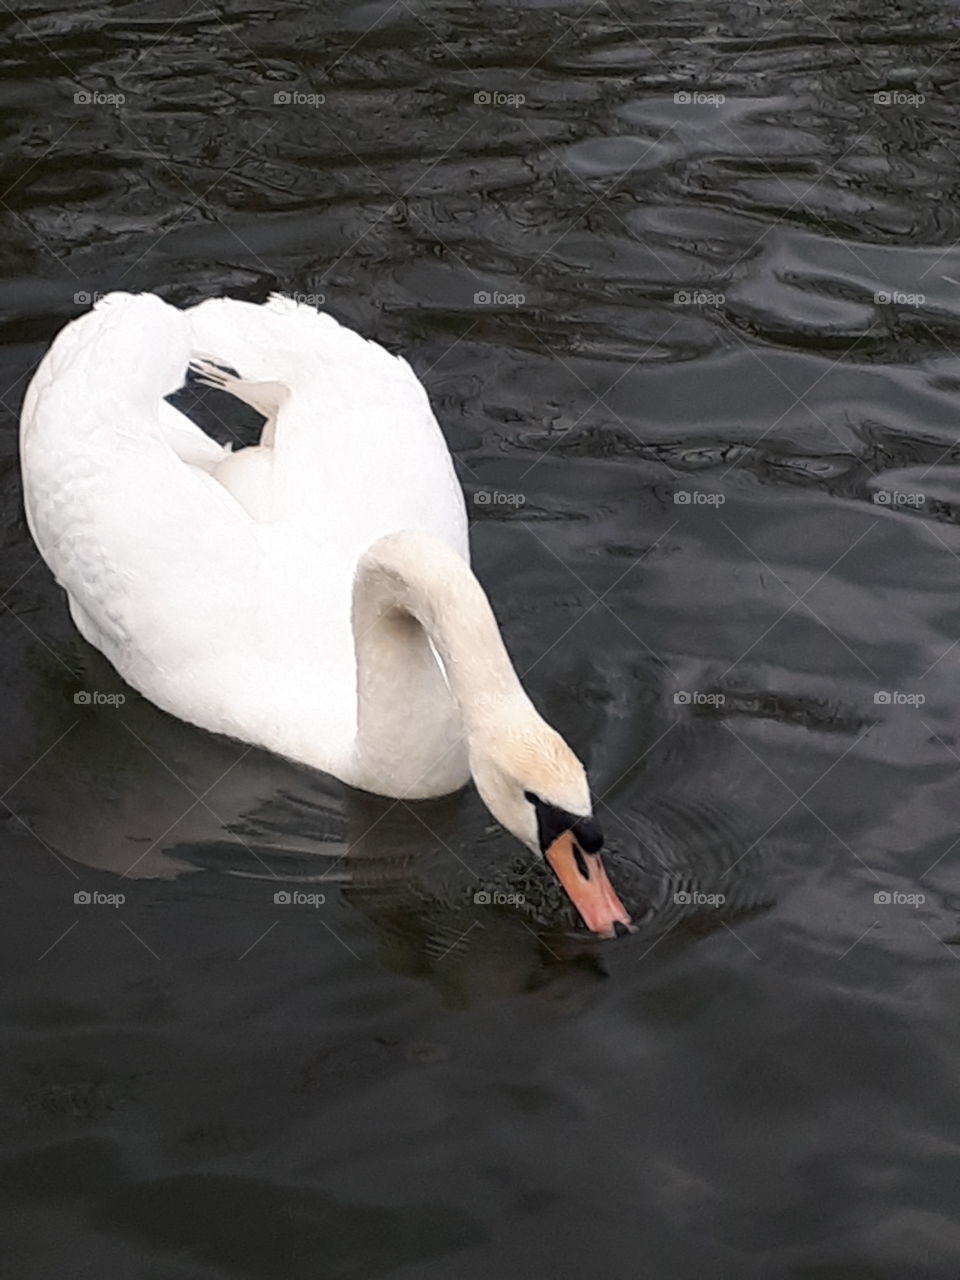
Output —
(585, 882)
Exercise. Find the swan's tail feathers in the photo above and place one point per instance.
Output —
(210, 373)
(265, 397)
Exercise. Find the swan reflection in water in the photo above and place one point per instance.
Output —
(143, 798)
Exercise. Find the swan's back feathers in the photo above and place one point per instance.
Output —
(355, 433)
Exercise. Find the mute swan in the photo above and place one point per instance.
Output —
(311, 595)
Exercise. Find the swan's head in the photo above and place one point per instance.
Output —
(535, 786)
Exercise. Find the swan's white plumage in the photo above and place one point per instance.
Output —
(311, 595)
(238, 624)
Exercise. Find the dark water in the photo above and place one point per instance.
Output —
(720, 530)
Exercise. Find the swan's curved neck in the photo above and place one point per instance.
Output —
(413, 596)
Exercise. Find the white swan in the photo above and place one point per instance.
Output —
(311, 595)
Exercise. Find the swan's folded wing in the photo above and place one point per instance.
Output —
(357, 450)
(149, 546)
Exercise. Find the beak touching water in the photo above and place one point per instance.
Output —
(583, 877)
(571, 845)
